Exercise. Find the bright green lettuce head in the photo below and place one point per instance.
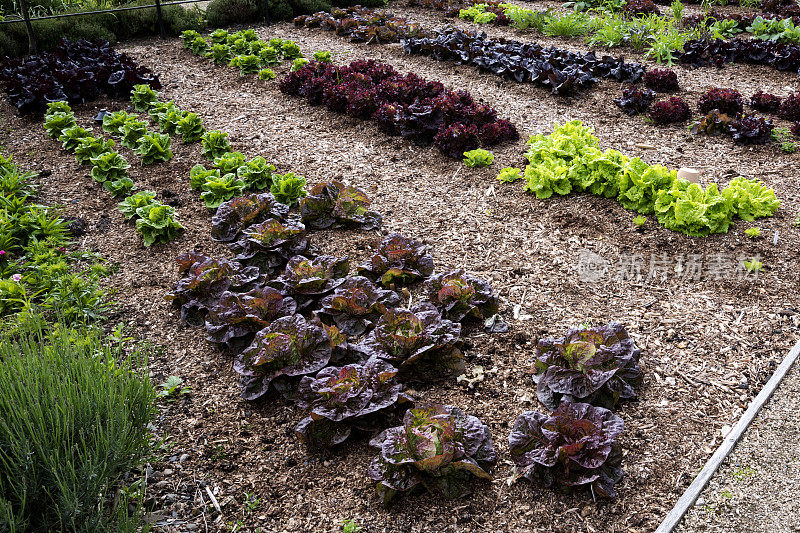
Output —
(750, 199)
(190, 128)
(217, 190)
(154, 147)
(288, 188)
(57, 122)
(689, 209)
(157, 223)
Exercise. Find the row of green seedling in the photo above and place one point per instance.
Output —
(169, 117)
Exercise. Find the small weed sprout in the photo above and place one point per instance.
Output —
(172, 388)
(349, 526)
(753, 233)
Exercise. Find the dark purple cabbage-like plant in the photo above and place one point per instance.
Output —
(233, 216)
(342, 398)
(598, 365)
(417, 341)
(270, 243)
(205, 280)
(635, 100)
(575, 446)
(356, 304)
(307, 280)
(438, 448)
(398, 260)
(236, 318)
(334, 204)
(460, 295)
(287, 348)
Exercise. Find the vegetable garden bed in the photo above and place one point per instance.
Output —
(709, 342)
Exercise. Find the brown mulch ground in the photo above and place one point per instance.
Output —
(708, 344)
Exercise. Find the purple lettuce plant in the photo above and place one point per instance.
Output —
(398, 260)
(233, 216)
(236, 318)
(205, 281)
(438, 448)
(340, 399)
(598, 365)
(308, 280)
(287, 348)
(417, 341)
(356, 305)
(575, 446)
(459, 295)
(334, 204)
(270, 243)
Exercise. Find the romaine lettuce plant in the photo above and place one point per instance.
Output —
(598, 365)
(219, 53)
(256, 174)
(109, 166)
(334, 204)
(233, 216)
(417, 341)
(130, 204)
(57, 107)
(199, 175)
(112, 122)
(218, 189)
(167, 115)
(56, 123)
(237, 317)
(131, 132)
(215, 144)
(269, 56)
(119, 187)
(269, 244)
(575, 446)
(307, 280)
(142, 97)
(509, 174)
(266, 74)
(459, 296)
(154, 147)
(157, 223)
(398, 260)
(342, 398)
(90, 147)
(288, 348)
(290, 50)
(190, 128)
(229, 162)
(71, 137)
(288, 188)
(247, 63)
(205, 281)
(438, 447)
(356, 305)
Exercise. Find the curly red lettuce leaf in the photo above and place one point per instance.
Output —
(287, 348)
(204, 282)
(269, 244)
(599, 366)
(438, 448)
(342, 398)
(233, 216)
(356, 305)
(398, 260)
(417, 341)
(236, 318)
(575, 446)
(334, 204)
(307, 280)
(459, 296)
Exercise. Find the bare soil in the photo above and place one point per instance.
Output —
(708, 344)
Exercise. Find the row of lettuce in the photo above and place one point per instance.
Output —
(76, 406)
(570, 160)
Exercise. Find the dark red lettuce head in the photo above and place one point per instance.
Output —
(790, 107)
(751, 129)
(766, 102)
(575, 446)
(356, 304)
(287, 348)
(233, 216)
(727, 101)
(236, 318)
(635, 100)
(341, 398)
(598, 365)
(661, 80)
(309, 279)
(459, 296)
(270, 243)
(398, 260)
(417, 341)
(334, 204)
(205, 281)
(437, 448)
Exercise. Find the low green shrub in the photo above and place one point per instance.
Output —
(75, 415)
